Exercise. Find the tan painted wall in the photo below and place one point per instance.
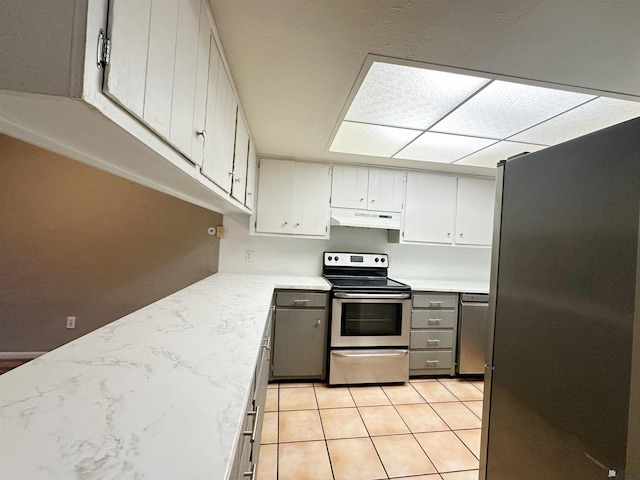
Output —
(76, 241)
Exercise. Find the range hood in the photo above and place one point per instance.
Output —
(364, 218)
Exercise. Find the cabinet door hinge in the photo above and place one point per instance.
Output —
(103, 50)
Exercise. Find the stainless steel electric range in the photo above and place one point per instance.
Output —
(370, 320)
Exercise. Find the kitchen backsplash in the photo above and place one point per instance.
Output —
(301, 256)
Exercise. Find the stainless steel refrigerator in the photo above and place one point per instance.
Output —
(562, 380)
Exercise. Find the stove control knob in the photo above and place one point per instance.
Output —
(337, 258)
(377, 259)
(330, 258)
(382, 260)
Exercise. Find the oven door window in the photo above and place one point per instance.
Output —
(371, 319)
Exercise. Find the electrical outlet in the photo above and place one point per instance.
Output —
(71, 322)
(248, 255)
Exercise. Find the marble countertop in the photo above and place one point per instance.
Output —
(157, 394)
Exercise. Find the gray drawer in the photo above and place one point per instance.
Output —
(431, 359)
(431, 339)
(435, 300)
(302, 299)
(432, 318)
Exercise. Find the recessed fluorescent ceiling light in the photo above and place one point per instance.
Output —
(376, 140)
(439, 116)
(442, 147)
(409, 97)
(489, 157)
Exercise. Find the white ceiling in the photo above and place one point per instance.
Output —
(295, 62)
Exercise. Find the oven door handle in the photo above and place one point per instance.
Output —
(373, 296)
(388, 353)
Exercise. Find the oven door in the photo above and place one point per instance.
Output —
(370, 319)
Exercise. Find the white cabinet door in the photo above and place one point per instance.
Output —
(185, 76)
(275, 209)
(386, 190)
(252, 166)
(198, 134)
(311, 190)
(212, 108)
(474, 211)
(239, 187)
(163, 28)
(126, 73)
(349, 186)
(430, 208)
(293, 198)
(218, 161)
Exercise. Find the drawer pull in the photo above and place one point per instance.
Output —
(434, 320)
(251, 473)
(433, 340)
(436, 303)
(267, 343)
(433, 362)
(253, 432)
(301, 300)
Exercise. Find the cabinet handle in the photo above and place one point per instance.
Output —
(362, 199)
(435, 302)
(434, 320)
(238, 180)
(252, 473)
(202, 133)
(318, 322)
(285, 223)
(267, 343)
(249, 194)
(433, 340)
(297, 224)
(301, 300)
(253, 432)
(231, 174)
(433, 361)
(461, 235)
(448, 234)
(373, 201)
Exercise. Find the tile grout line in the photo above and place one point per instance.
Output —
(324, 435)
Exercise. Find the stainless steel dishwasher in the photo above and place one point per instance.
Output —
(472, 333)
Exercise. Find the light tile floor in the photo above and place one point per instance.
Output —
(428, 429)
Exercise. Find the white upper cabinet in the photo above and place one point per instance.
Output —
(158, 92)
(252, 167)
(349, 186)
(293, 198)
(386, 190)
(475, 211)
(126, 73)
(367, 188)
(241, 156)
(443, 209)
(430, 208)
(185, 77)
(198, 131)
(138, 88)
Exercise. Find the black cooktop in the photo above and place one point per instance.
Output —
(361, 282)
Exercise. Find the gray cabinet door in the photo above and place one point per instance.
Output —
(299, 343)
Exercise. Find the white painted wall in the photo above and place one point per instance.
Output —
(301, 256)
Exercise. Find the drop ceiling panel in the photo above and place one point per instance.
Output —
(442, 148)
(490, 156)
(595, 115)
(375, 140)
(503, 109)
(409, 97)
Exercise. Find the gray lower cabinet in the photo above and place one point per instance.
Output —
(248, 447)
(434, 323)
(300, 335)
